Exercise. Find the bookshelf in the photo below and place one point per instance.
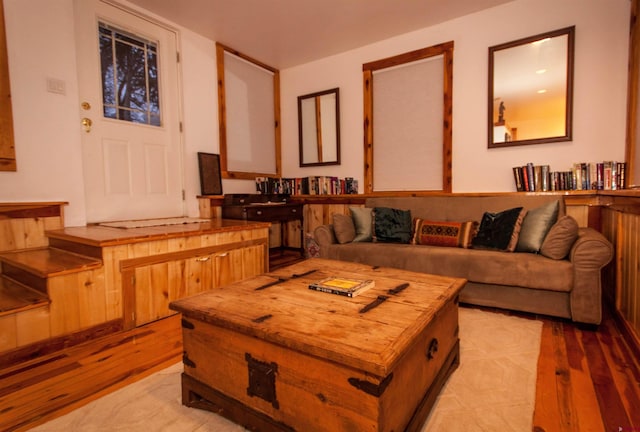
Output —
(312, 185)
(605, 175)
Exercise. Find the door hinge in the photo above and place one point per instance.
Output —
(177, 56)
(133, 280)
(183, 195)
(180, 126)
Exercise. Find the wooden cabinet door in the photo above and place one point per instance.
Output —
(151, 292)
(253, 260)
(157, 285)
(227, 267)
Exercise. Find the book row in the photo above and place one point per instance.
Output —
(312, 185)
(607, 175)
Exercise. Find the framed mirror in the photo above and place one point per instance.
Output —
(319, 128)
(531, 90)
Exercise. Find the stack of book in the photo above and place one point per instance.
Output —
(607, 175)
(312, 185)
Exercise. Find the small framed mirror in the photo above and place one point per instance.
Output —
(319, 128)
(531, 90)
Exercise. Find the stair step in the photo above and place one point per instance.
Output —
(15, 297)
(48, 261)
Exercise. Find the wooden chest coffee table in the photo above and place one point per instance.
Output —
(271, 354)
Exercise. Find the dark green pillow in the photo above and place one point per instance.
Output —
(391, 225)
(498, 229)
(535, 226)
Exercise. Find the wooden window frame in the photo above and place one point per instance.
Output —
(444, 49)
(222, 116)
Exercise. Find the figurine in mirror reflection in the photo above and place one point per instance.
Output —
(501, 110)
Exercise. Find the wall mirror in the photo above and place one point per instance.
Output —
(531, 90)
(319, 128)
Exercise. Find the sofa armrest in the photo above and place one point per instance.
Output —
(589, 254)
(325, 237)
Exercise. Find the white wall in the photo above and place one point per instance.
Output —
(46, 125)
(599, 90)
(41, 44)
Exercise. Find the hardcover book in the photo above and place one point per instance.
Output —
(342, 286)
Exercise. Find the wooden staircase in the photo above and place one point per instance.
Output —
(16, 297)
(37, 290)
(65, 285)
(38, 282)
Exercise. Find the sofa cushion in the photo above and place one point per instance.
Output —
(344, 228)
(441, 233)
(499, 230)
(476, 265)
(535, 226)
(391, 225)
(560, 238)
(362, 219)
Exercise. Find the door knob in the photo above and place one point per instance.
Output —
(86, 122)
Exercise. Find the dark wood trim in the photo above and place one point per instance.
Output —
(52, 345)
(75, 247)
(30, 210)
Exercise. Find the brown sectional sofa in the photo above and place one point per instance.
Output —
(569, 287)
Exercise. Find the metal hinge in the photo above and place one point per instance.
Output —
(180, 126)
(177, 56)
(183, 195)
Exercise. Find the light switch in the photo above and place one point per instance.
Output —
(56, 86)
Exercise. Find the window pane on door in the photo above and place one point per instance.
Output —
(129, 67)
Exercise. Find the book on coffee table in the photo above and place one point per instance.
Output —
(342, 286)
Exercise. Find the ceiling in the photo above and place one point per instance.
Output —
(286, 33)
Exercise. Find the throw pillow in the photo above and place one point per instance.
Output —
(312, 250)
(344, 228)
(452, 234)
(535, 226)
(560, 238)
(499, 230)
(391, 225)
(362, 219)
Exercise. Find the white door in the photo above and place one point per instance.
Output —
(132, 150)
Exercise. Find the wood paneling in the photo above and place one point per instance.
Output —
(627, 267)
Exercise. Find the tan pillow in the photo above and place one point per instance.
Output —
(343, 228)
(560, 238)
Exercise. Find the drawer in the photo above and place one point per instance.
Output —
(268, 213)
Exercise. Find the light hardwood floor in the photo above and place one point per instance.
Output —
(587, 380)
